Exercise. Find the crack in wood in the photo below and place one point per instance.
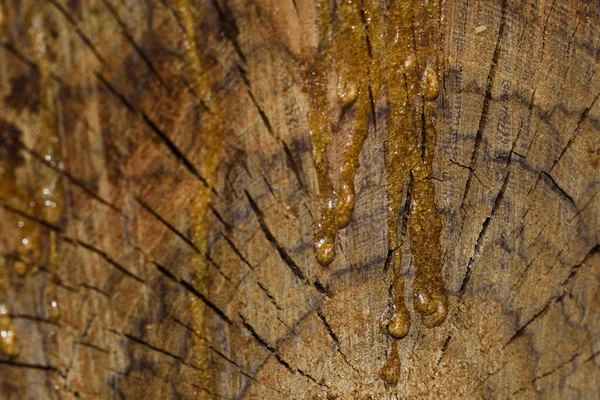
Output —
(86, 40)
(195, 292)
(289, 262)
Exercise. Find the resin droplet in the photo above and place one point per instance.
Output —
(399, 326)
(433, 304)
(345, 205)
(432, 85)
(343, 51)
(390, 372)
(410, 64)
(325, 250)
(9, 344)
(400, 323)
(347, 94)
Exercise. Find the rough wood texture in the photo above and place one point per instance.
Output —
(517, 169)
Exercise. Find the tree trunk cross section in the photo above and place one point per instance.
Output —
(170, 170)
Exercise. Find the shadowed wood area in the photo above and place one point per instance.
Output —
(159, 200)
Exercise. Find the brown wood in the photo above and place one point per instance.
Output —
(517, 181)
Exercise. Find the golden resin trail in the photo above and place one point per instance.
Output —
(212, 135)
(344, 51)
(410, 66)
(407, 47)
(46, 201)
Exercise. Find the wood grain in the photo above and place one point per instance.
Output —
(517, 180)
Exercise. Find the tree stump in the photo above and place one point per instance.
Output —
(161, 195)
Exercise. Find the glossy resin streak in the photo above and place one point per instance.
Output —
(212, 132)
(405, 40)
(44, 198)
(413, 64)
(343, 53)
(410, 64)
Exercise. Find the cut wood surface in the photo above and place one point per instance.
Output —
(159, 198)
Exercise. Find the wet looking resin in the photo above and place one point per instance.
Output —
(212, 132)
(43, 198)
(392, 52)
(345, 53)
(413, 85)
